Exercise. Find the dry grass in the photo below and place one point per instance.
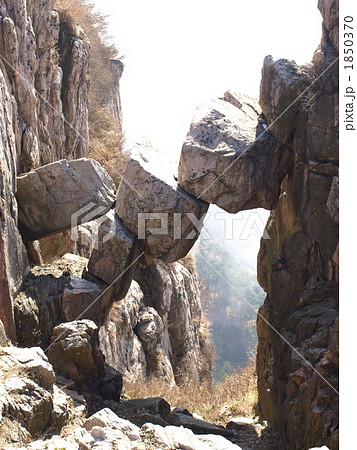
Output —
(235, 396)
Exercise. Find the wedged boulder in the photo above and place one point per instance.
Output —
(56, 196)
(283, 81)
(230, 158)
(115, 255)
(152, 205)
(81, 300)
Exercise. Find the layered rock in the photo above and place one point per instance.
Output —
(230, 158)
(38, 94)
(150, 203)
(154, 331)
(297, 360)
(115, 256)
(60, 195)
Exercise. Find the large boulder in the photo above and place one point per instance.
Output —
(230, 158)
(57, 196)
(152, 205)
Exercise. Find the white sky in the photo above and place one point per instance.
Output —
(178, 54)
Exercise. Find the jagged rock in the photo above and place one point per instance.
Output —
(239, 423)
(107, 418)
(13, 260)
(56, 246)
(171, 437)
(230, 159)
(196, 425)
(26, 387)
(283, 81)
(148, 187)
(81, 300)
(118, 342)
(174, 293)
(330, 13)
(115, 255)
(298, 266)
(151, 332)
(3, 338)
(72, 352)
(38, 309)
(54, 197)
(156, 406)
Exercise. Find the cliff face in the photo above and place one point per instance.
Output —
(44, 105)
(297, 360)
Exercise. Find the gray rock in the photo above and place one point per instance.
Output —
(26, 387)
(240, 423)
(154, 406)
(115, 255)
(333, 200)
(53, 197)
(282, 83)
(81, 300)
(229, 157)
(118, 342)
(196, 425)
(171, 233)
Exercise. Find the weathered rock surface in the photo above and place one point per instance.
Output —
(118, 341)
(229, 157)
(283, 81)
(29, 395)
(297, 366)
(155, 330)
(115, 255)
(53, 197)
(81, 299)
(155, 208)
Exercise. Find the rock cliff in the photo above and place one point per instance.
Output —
(297, 360)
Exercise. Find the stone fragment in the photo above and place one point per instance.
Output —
(230, 158)
(54, 197)
(152, 205)
(283, 82)
(333, 200)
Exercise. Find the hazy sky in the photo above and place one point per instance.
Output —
(178, 54)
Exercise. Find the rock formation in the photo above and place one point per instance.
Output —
(297, 363)
(154, 330)
(230, 158)
(152, 205)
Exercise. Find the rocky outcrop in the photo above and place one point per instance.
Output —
(43, 117)
(230, 158)
(297, 360)
(150, 203)
(114, 104)
(154, 330)
(63, 194)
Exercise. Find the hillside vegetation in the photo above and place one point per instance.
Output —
(230, 294)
